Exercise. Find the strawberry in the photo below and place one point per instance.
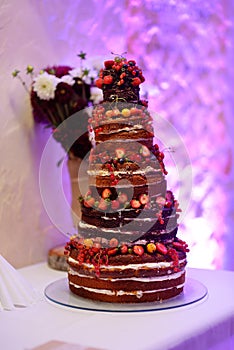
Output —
(109, 113)
(120, 152)
(108, 79)
(113, 243)
(178, 245)
(144, 199)
(134, 110)
(102, 204)
(115, 112)
(124, 249)
(89, 202)
(108, 64)
(106, 193)
(112, 251)
(135, 203)
(115, 204)
(123, 198)
(145, 151)
(161, 248)
(138, 250)
(136, 81)
(99, 83)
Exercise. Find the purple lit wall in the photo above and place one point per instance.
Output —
(185, 49)
(182, 48)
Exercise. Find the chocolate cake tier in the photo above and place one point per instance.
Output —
(122, 154)
(116, 120)
(128, 278)
(143, 220)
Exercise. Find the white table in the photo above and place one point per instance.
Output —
(207, 324)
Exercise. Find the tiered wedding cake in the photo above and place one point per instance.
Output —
(126, 249)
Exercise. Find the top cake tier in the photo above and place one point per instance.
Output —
(119, 80)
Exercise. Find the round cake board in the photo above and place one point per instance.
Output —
(58, 292)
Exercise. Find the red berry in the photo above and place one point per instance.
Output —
(161, 248)
(115, 204)
(89, 202)
(99, 83)
(135, 203)
(123, 198)
(109, 63)
(112, 251)
(113, 243)
(134, 110)
(179, 245)
(102, 204)
(144, 199)
(108, 79)
(138, 250)
(106, 193)
(136, 81)
(124, 249)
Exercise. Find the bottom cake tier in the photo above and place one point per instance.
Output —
(128, 278)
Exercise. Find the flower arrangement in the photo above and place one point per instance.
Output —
(58, 92)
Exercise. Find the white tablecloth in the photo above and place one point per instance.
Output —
(207, 324)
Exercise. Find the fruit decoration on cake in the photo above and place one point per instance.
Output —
(126, 249)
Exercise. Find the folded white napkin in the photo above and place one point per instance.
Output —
(14, 289)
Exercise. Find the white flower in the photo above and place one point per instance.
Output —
(95, 62)
(76, 72)
(85, 73)
(45, 85)
(68, 79)
(96, 95)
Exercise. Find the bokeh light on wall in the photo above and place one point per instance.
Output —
(182, 48)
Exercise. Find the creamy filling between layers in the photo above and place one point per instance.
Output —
(170, 276)
(140, 140)
(152, 265)
(83, 225)
(133, 127)
(137, 293)
(144, 171)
